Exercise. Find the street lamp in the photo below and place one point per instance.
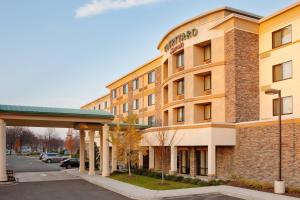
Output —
(279, 186)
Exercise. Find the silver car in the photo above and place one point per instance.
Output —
(53, 158)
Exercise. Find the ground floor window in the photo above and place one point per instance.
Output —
(183, 161)
(201, 161)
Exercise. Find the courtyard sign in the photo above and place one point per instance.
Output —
(180, 38)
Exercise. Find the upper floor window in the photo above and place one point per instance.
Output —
(282, 36)
(114, 94)
(125, 89)
(180, 114)
(180, 59)
(135, 84)
(99, 106)
(114, 110)
(94, 107)
(207, 82)
(135, 104)
(286, 106)
(282, 71)
(207, 53)
(207, 111)
(151, 77)
(151, 99)
(125, 107)
(180, 87)
(151, 120)
(105, 104)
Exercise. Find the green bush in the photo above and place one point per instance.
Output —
(179, 178)
(187, 180)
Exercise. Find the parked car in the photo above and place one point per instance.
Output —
(69, 163)
(53, 157)
(42, 155)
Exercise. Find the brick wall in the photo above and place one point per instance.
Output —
(255, 155)
(241, 76)
(158, 159)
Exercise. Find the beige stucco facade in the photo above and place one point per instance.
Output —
(209, 88)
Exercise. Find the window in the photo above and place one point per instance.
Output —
(137, 121)
(180, 114)
(151, 77)
(105, 104)
(180, 87)
(180, 60)
(125, 107)
(207, 53)
(286, 106)
(94, 107)
(282, 71)
(282, 36)
(151, 99)
(125, 89)
(207, 112)
(114, 94)
(207, 82)
(151, 120)
(99, 106)
(135, 84)
(135, 104)
(114, 110)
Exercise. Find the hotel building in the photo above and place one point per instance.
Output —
(207, 91)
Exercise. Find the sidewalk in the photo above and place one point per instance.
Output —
(136, 192)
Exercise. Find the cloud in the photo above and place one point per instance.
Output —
(99, 6)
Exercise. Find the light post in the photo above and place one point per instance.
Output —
(279, 185)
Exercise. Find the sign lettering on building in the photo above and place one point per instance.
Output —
(180, 38)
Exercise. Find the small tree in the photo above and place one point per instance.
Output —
(163, 138)
(127, 142)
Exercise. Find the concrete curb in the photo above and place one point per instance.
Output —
(135, 192)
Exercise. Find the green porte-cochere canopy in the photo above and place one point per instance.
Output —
(49, 111)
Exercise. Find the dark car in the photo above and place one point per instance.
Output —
(69, 163)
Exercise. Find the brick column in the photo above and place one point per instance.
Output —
(105, 171)
(114, 158)
(151, 158)
(141, 157)
(192, 162)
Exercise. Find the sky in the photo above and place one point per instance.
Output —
(62, 53)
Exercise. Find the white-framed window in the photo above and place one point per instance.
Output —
(125, 89)
(180, 59)
(105, 104)
(151, 77)
(125, 107)
(135, 83)
(135, 104)
(282, 36)
(180, 87)
(286, 106)
(180, 114)
(114, 94)
(114, 110)
(282, 71)
(151, 120)
(151, 99)
(207, 111)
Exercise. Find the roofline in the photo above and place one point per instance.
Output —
(95, 100)
(233, 15)
(150, 61)
(245, 13)
(279, 12)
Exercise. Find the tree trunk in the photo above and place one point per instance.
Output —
(129, 168)
(162, 165)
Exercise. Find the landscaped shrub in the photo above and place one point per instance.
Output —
(179, 178)
(187, 180)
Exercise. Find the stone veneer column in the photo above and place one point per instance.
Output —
(105, 169)
(101, 151)
(3, 176)
(82, 150)
(173, 169)
(114, 158)
(91, 152)
(141, 157)
(151, 158)
(192, 162)
(211, 151)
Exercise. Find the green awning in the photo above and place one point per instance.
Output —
(34, 110)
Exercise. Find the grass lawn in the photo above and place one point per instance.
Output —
(151, 183)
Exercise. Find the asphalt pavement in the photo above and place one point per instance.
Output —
(30, 164)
